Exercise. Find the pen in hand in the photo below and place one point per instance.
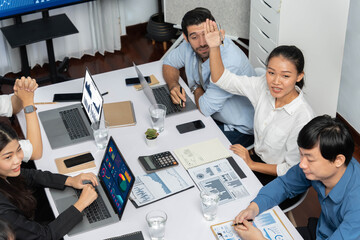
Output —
(236, 224)
(221, 36)
(181, 104)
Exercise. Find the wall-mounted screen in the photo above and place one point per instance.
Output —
(12, 8)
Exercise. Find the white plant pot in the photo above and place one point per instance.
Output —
(151, 142)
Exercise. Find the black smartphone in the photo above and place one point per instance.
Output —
(67, 97)
(190, 126)
(135, 80)
(74, 161)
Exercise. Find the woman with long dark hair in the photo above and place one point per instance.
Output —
(280, 107)
(18, 205)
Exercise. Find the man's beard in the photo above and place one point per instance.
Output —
(203, 56)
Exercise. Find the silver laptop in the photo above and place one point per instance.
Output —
(116, 181)
(72, 124)
(160, 94)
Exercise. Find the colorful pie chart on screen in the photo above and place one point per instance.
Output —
(122, 182)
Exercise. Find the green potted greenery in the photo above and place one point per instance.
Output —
(151, 136)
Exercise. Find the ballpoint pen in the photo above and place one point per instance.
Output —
(221, 36)
(181, 101)
(235, 224)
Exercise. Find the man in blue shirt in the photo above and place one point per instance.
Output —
(234, 114)
(326, 149)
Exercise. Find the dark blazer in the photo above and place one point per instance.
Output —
(27, 229)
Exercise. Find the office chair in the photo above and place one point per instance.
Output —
(288, 210)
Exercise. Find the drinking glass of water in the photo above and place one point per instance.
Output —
(157, 113)
(209, 203)
(156, 221)
(101, 133)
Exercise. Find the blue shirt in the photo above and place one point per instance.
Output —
(340, 209)
(233, 110)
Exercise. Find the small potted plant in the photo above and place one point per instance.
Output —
(151, 136)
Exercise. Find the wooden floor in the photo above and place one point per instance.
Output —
(136, 47)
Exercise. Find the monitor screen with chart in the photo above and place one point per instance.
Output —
(92, 100)
(12, 8)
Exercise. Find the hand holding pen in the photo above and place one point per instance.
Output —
(182, 103)
(237, 224)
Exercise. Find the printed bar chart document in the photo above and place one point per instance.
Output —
(158, 185)
(221, 176)
(201, 153)
(268, 223)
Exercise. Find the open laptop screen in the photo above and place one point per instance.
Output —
(116, 177)
(145, 86)
(91, 100)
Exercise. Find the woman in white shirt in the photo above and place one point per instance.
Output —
(280, 107)
(23, 97)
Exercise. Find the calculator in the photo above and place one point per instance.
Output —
(158, 161)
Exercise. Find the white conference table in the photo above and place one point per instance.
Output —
(185, 220)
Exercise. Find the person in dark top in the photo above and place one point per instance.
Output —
(17, 203)
(6, 233)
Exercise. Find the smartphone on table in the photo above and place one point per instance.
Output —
(136, 80)
(77, 160)
(67, 97)
(190, 126)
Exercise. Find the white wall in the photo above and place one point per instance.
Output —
(349, 94)
(318, 28)
(139, 11)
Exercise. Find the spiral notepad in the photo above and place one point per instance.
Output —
(130, 236)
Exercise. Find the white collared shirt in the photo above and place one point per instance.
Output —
(275, 129)
(7, 110)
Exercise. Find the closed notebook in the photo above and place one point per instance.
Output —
(119, 114)
(62, 169)
(153, 79)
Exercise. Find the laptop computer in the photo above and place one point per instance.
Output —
(116, 181)
(72, 124)
(161, 95)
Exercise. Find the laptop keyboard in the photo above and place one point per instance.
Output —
(74, 123)
(97, 210)
(163, 97)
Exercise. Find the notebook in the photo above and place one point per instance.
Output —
(72, 124)
(130, 236)
(160, 94)
(119, 114)
(153, 81)
(116, 181)
(62, 169)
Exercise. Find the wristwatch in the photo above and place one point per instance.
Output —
(30, 109)
(193, 88)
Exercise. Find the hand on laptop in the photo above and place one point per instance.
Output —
(88, 195)
(178, 95)
(78, 181)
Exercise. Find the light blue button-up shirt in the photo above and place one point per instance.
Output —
(233, 110)
(340, 209)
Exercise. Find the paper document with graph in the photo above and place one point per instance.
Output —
(268, 223)
(158, 185)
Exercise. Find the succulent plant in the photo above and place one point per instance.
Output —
(151, 133)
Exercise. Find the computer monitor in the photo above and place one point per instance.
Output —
(13, 8)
